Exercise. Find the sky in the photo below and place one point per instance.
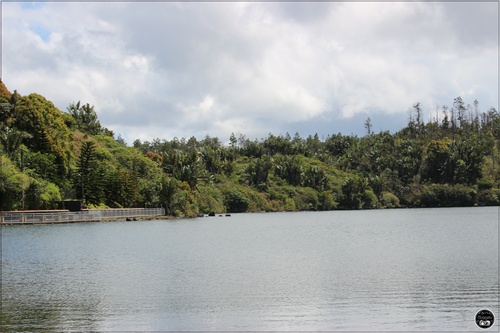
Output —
(167, 69)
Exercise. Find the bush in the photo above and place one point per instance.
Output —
(42, 194)
(259, 202)
(327, 201)
(484, 184)
(210, 199)
(389, 200)
(235, 201)
(357, 194)
(306, 199)
(490, 197)
(370, 200)
(183, 201)
(443, 195)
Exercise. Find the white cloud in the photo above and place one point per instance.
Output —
(184, 69)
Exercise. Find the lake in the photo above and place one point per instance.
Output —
(402, 269)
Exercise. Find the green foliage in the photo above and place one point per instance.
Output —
(289, 168)
(42, 194)
(88, 176)
(307, 198)
(454, 161)
(11, 140)
(257, 171)
(210, 199)
(327, 201)
(354, 193)
(444, 195)
(183, 201)
(489, 197)
(12, 184)
(370, 200)
(85, 119)
(235, 200)
(315, 178)
(484, 184)
(389, 200)
(48, 155)
(47, 132)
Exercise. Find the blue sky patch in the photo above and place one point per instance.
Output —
(32, 5)
(41, 31)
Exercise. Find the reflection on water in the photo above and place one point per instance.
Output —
(425, 269)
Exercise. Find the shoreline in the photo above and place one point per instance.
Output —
(170, 217)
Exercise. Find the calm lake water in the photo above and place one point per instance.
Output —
(407, 269)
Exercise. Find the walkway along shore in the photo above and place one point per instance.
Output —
(90, 215)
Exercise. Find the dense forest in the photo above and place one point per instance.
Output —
(48, 155)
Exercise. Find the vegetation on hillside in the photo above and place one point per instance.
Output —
(48, 156)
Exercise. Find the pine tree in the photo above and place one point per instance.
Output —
(90, 176)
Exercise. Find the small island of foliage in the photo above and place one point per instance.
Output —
(48, 156)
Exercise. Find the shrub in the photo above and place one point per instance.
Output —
(327, 201)
(370, 200)
(389, 200)
(306, 199)
(357, 194)
(490, 197)
(484, 184)
(210, 199)
(183, 201)
(42, 194)
(443, 195)
(235, 201)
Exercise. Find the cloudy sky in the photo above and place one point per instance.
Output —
(165, 69)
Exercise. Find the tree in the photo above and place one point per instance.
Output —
(368, 126)
(459, 106)
(169, 187)
(454, 161)
(235, 201)
(258, 170)
(419, 120)
(353, 193)
(316, 178)
(86, 119)
(438, 163)
(290, 169)
(89, 184)
(13, 183)
(11, 140)
(233, 141)
(42, 194)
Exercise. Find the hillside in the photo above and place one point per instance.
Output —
(48, 155)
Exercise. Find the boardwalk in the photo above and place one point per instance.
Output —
(64, 216)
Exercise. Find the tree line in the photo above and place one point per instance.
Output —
(49, 155)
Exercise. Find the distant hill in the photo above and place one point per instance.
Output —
(48, 155)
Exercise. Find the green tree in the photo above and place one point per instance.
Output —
(44, 122)
(315, 178)
(454, 161)
(235, 201)
(439, 164)
(290, 169)
(169, 187)
(13, 184)
(257, 171)
(86, 119)
(89, 179)
(356, 194)
(11, 140)
(42, 194)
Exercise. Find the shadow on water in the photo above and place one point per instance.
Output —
(49, 316)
